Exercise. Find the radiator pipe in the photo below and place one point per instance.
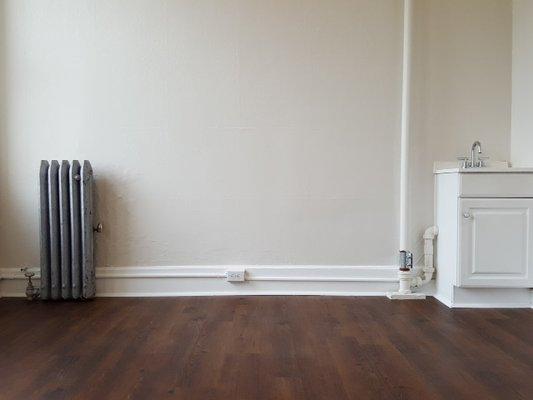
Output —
(32, 293)
(404, 274)
(405, 124)
(427, 271)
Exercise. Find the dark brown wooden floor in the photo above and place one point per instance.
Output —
(263, 348)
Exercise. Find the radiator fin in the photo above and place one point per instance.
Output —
(45, 231)
(75, 223)
(64, 218)
(87, 267)
(55, 247)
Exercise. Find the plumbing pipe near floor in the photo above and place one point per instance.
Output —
(405, 281)
(406, 277)
(427, 271)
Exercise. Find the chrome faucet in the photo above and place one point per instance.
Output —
(475, 160)
(474, 157)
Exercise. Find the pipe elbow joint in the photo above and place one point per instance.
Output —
(431, 233)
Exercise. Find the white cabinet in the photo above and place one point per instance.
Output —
(485, 242)
(495, 242)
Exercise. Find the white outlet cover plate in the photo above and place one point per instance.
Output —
(235, 275)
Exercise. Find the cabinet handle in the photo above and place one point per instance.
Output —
(467, 215)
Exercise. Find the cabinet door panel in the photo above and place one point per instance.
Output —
(495, 242)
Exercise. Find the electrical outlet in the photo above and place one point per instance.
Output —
(235, 275)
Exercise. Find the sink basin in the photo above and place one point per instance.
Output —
(446, 167)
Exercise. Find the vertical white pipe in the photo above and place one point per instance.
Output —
(405, 118)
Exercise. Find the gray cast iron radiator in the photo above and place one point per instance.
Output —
(67, 268)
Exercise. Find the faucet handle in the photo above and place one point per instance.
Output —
(465, 161)
(482, 162)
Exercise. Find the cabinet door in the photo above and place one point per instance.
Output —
(495, 243)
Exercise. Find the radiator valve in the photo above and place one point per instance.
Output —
(32, 293)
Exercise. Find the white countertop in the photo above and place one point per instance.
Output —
(449, 167)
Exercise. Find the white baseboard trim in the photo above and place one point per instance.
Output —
(491, 305)
(150, 281)
(444, 300)
(357, 273)
(237, 293)
(271, 280)
(488, 298)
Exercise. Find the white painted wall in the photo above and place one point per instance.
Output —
(221, 132)
(461, 91)
(522, 114)
(243, 132)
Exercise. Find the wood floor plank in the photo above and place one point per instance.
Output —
(257, 348)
